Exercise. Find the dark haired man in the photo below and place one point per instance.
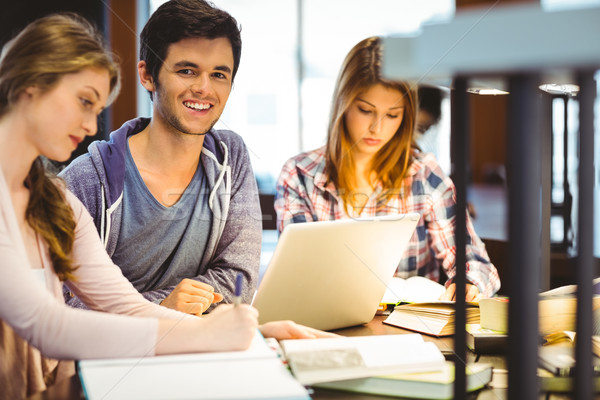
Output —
(174, 200)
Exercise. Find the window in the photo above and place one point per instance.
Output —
(291, 54)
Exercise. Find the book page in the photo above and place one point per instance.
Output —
(416, 289)
(262, 378)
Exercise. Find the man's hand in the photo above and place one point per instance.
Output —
(281, 330)
(191, 297)
(471, 293)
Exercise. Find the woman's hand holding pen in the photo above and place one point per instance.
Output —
(192, 297)
(226, 328)
(230, 327)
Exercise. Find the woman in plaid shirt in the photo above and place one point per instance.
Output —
(370, 166)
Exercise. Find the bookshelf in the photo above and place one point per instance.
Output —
(516, 48)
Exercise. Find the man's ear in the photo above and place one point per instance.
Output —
(145, 77)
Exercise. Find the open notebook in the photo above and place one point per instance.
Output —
(333, 274)
(254, 373)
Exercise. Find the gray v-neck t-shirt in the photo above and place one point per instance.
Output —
(158, 245)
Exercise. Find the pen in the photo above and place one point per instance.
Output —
(237, 299)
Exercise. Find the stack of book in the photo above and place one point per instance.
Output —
(393, 365)
(556, 367)
(433, 318)
(331, 359)
(557, 310)
(557, 319)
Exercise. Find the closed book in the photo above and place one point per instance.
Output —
(421, 385)
(556, 312)
(433, 318)
(486, 341)
(332, 359)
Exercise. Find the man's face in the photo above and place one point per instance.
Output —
(193, 85)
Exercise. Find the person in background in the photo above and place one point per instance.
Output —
(174, 200)
(429, 114)
(56, 76)
(370, 166)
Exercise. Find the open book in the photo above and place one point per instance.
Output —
(331, 359)
(416, 289)
(255, 373)
(417, 385)
(436, 318)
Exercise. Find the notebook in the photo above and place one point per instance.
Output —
(333, 274)
(256, 373)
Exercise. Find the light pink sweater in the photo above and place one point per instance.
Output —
(37, 314)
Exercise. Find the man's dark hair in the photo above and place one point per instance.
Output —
(181, 19)
(430, 100)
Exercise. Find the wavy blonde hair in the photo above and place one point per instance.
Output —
(360, 71)
(40, 55)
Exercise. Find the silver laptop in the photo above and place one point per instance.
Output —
(333, 274)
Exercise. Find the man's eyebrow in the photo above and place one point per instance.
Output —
(185, 63)
(224, 68)
(373, 105)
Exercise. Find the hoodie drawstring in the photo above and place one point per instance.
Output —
(221, 175)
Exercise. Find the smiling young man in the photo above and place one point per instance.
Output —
(174, 200)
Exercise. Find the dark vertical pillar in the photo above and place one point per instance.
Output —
(567, 207)
(460, 139)
(524, 152)
(585, 237)
(546, 120)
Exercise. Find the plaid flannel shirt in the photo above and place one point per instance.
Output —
(303, 195)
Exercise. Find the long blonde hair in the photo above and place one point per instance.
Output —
(361, 70)
(40, 55)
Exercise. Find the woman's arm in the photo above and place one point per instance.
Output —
(441, 224)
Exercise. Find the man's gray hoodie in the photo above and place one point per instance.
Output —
(234, 243)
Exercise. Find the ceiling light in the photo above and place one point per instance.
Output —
(562, 89)
(486, 91)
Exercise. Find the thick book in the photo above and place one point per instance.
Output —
(332, 359)
(433, 318)
(486, 341)
(556, 313)
(419, 385)
(255, 373)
